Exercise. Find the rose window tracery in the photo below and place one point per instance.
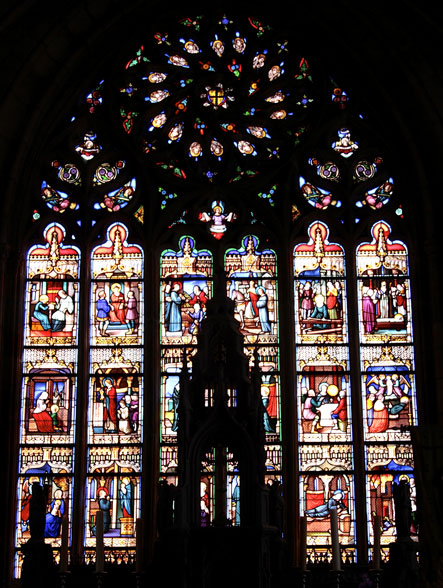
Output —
(211, 102)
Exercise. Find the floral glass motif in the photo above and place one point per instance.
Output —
(328, 170)
(365, 170)
(107, 172)
(235, 98)
(68, 173)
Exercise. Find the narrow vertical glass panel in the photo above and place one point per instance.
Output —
(169, 406)
(207, 489)
(115, 406)
(320, 294)
(384, 288)
(251, 282)
(323, 393)
(233, 494)
(319, 494)
(388, 376)
(186, 286)
(48, 393)
(270, 394)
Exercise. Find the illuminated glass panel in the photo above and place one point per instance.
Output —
(251, 276)
(51, 468)
(251, 282)
(384, 289)
(388, 386)
(48, 394)
(186, 287)
(227, 127)
(115, 490)
(186, 284)
(320, 492)
(320, 288)
(115, 407)
(323, 392)
(388, 465)
(388, 376)
(219, 489)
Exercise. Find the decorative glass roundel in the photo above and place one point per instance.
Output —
(216, 102)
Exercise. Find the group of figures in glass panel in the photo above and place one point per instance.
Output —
(323, 382)
(48, 408)
(186, 288)
(235, 117)
(48, 416)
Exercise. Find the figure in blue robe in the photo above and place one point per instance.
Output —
(174, 319)
(322, 511)
(262, 305)
(53, 519)
(320, 312)
(41, 312)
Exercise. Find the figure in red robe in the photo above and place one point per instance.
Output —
(110, 408)
(117, 313)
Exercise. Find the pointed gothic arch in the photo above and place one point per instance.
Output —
(267, 195)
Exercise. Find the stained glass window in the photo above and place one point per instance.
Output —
(323, 390)
(388, 374)
(213, 112)
(49, 384)
(115, 427)
(186, 287)
(251, 274)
